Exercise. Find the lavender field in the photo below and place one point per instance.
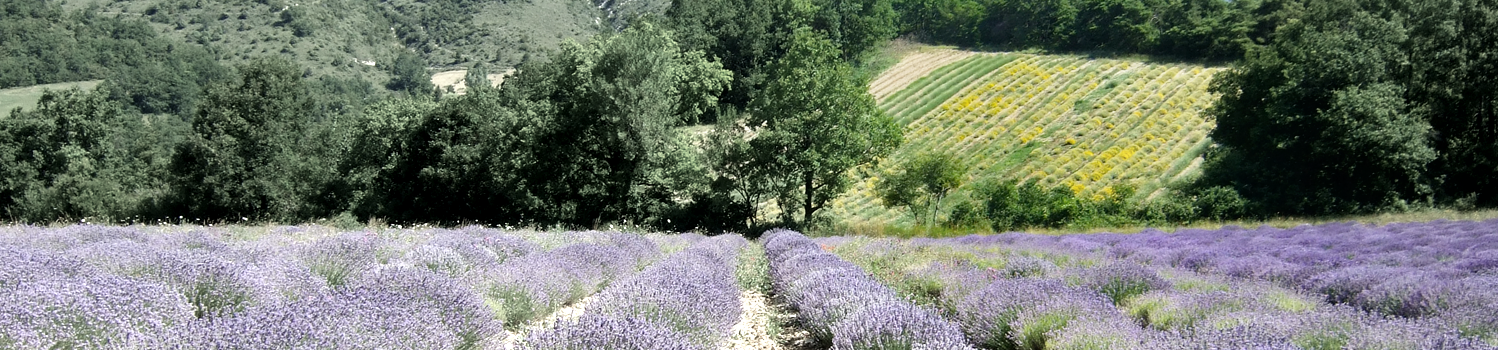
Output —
(1339, 286)
(99, 287)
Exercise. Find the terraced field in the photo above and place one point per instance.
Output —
(1087, 124)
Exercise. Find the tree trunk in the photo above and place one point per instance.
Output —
(806, 212)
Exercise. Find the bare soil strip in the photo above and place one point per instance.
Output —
(911, 68)
(454, 78)
(754, 330)
(566, 313)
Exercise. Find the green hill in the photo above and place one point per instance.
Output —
(1086, 124)
(339, 38)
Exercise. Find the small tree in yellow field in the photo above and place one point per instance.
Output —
(921, 184)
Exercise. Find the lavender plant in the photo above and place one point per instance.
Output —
(692, 293)
(842, 305)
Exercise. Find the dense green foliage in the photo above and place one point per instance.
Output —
(251, 152)
(81, 155)
(1193, 29)
(815, 121)
(1364, 106)
(1013, 206)
(42, 44)
(748, 36)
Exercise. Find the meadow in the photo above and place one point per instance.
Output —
(1332, 286)
(26, 97)
(1080, 123)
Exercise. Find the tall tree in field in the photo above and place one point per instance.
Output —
(816, 121)
(744, 35)
(609, 110)
(857, 27)
(242, 160)
(921, 184)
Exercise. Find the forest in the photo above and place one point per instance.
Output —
(692, 115)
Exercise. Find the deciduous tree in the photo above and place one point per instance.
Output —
(814, 122)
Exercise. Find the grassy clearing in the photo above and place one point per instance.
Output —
(26, 97)
(1077, 122)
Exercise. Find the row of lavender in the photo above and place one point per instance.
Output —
(841, 304)
(291, 288)
(1028, 296)
(689, 300)
(1442, 271)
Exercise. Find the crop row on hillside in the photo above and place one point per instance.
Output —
(1084, 124)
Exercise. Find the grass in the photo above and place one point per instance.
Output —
(26, 97)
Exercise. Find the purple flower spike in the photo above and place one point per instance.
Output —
(601, 332)
(896, 325)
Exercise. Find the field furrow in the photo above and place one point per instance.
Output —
(913, 67)
(1076, 122)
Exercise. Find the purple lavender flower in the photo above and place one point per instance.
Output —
(1121, 280)
(692, 292)
(52, 310)
(1095, 333)
(339, 259)
(896, 325)
(602, 332)
(833, 298)
(1037, 328)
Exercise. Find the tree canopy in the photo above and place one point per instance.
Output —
(1339, 115)
(815, 121)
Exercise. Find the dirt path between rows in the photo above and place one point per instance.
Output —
(566, 313)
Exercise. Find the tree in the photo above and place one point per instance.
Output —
(410, 75)
(477, 79)
(857, 27)
(814, 122)
(1115, 25)
(54, 158)
(374, 141)
(744, 35)
(1319, 123)
(243, 159)
(1013, 205)
(1454, 61)
(607, 111)
(740, 180)
(921, 184)
(465, 160)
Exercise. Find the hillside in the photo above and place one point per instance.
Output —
(337, 38)
(1086, 124)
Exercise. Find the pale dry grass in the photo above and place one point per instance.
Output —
(454, 78)
(913, 66)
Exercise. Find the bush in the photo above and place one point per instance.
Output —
(1010, 206)
(1220, 203)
